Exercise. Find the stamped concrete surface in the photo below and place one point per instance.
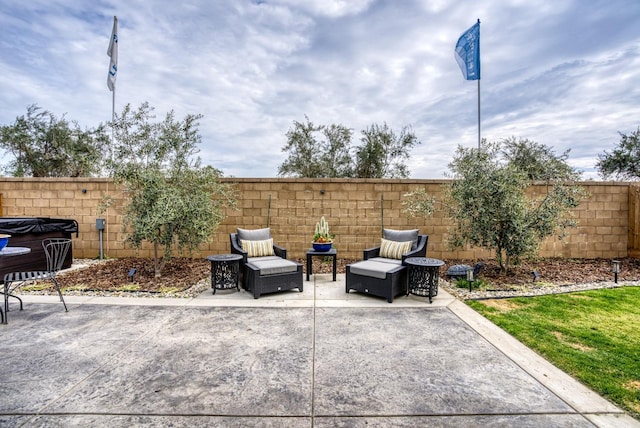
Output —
(321, 358)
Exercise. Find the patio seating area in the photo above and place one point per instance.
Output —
(316, 358)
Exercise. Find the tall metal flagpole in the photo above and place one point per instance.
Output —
(478, 114)
(479, 74)
(112, 52)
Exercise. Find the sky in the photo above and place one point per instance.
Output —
(561, 73)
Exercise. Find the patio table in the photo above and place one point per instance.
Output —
(224, 271)
(331, 253)
(423, 274)
(14, 251)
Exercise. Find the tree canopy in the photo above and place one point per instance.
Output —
(321, 151)
(174, 202)
(624, 161)
(44, 146)
(312, 157)
(489, 201)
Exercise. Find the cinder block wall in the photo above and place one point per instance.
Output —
(356, 210)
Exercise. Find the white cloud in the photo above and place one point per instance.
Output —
(562, 74)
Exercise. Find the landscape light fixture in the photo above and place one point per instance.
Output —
(536, 275)
(131, 273)
(615, 267)
(470, 278)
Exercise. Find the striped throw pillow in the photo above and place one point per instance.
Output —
(393, 249)
(258, 248)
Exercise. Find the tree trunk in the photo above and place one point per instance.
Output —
(156, 261)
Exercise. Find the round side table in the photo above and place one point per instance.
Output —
(422, 276)
(224, 271)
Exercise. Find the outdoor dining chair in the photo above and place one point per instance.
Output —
(56, 250)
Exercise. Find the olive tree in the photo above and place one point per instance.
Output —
(490, 204)
(382, 153)
(312, 156)
(174, 202)
(43, 145)
(319, 151)
(624, 161)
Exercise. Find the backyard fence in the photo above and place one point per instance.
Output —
(356, 209)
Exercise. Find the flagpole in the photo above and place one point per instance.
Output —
(112, 52)
(479, 76)
(478, 114)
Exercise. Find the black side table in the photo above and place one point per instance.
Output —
(224, 271)
(422, 276)
(331, 253)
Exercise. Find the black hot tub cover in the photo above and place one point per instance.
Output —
(21, 225)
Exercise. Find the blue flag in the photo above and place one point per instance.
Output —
(468, 52)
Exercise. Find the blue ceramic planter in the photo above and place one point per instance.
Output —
(322, 247)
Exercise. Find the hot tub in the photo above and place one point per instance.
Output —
(29, 232)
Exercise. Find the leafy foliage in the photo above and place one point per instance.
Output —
(624, 161)
(381, 154)
(418, 203)
(313, 158)
(45, 146)
(489, 201)
(537, 160)
(174, 202)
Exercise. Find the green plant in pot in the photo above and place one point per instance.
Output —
(322, 239)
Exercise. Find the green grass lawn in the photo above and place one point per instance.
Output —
(592, 335)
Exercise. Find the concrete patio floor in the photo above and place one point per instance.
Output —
(321, 358)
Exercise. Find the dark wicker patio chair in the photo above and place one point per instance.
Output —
(264, 267)
(382, 273)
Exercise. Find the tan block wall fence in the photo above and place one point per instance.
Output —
(356, 210)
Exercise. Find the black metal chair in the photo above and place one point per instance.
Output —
(56, 250)
(268, 274)
(382, 276)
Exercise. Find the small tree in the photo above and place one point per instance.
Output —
(382, 153)
(488, 198)
(174, 202)
(624, 161)
(489, 201)
(45, 146)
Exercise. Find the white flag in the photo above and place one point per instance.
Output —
(112, 51)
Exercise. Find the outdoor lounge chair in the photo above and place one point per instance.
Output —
(382, 273)
(264, 267)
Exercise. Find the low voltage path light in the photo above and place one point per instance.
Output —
(470, 278)
(615, 267)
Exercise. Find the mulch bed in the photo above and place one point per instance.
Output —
(182, 273)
